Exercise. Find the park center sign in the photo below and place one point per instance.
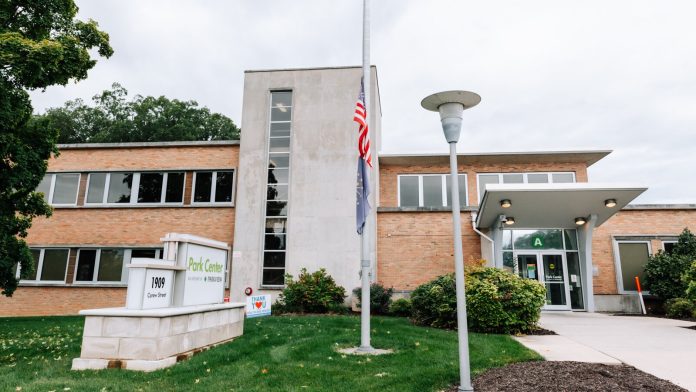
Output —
(205, 263)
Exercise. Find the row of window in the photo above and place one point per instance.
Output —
(147, 188)
(93, 265)
(433, 190)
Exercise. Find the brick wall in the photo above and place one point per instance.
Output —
(157, 158)
(415, 247)
(119, 226)
(388, 175)
(647, 222)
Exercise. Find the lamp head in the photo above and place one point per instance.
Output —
(450, 105)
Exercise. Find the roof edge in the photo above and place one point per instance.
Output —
(679, 206)
(76, 146)
(305, 68)
(596, 154)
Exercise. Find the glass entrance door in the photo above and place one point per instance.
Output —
(550, 270)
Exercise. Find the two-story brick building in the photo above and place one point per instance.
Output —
(284, 199)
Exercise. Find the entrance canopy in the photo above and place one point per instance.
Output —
(552, 205)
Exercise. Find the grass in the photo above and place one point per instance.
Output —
(288, 353)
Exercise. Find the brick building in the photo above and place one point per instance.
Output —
(284, 199)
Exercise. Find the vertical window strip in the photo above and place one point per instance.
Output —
(274, 244)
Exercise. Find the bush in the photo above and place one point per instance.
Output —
(680, 308)
(315, 292)
(667, 275)
(664, 273)
(497, 301)
(400, 308)
(380, 298)
(689, 279)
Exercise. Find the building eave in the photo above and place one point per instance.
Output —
(588, 157)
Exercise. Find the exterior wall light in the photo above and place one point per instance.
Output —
(505, 203)
(609, 203)
(580, 221)
(510, 220)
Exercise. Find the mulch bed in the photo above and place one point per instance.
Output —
(540, 331)
(568, 376)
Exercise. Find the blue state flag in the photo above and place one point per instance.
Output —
(362, 206)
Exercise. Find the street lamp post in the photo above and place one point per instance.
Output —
(450, 105)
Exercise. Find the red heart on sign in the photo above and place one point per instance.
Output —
(258, 304)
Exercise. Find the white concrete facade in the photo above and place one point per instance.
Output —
(321, 229)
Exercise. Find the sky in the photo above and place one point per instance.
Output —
(553, 75)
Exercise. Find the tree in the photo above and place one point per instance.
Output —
(41, 44)
(666, 273)
(114, 119)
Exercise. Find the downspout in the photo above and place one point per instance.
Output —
(479, 232)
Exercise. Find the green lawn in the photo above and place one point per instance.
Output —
(274, 354)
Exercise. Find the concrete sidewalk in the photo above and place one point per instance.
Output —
(657, 346)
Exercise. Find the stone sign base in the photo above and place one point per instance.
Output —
(148, 340)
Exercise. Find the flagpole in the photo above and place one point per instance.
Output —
(365, 345)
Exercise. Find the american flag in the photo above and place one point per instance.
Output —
(360, 117)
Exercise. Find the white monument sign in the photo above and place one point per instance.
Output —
(150, 283)
(205, 262)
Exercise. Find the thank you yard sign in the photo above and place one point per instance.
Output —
(258, 305)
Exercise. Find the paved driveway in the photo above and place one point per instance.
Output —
(654, 345)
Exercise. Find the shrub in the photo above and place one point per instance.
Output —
(680, 308)
(689, 279)
(380, 298)
(315, 292)
(667, 275)
(664, 273)
(400, 308)
(497, 301)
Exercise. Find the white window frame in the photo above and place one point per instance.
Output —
(443, 181)
(135, 188)
(213, 187)
(52, 188)
(525, 180)
(39, 267)
(617, 263)
(262, 267)
(127, 256)
(668, 242)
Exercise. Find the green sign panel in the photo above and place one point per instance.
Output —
(537, 241)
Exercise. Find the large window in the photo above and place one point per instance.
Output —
(276, 217)
(213, 186)
(50, 265)
(60, 188)
(429, 190)
(107, 265)
(522, 178)
(135, 188)
(631, 261)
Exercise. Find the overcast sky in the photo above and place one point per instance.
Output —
(553, 75)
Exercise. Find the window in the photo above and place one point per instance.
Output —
(668, 246)
(213, 186)
(60, 188)
(107, 265)
(50, 265)
(276, 216)
(631, 261)
(429, 190)
(135, 188)
(522, 178)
